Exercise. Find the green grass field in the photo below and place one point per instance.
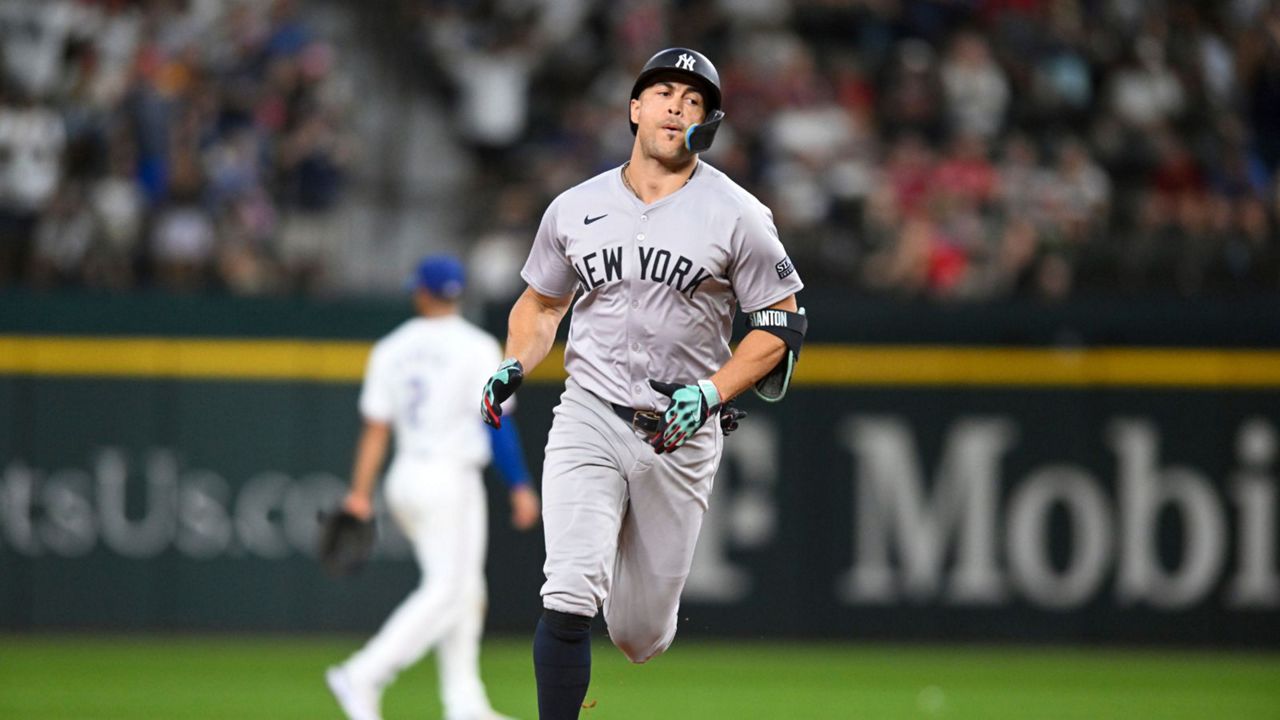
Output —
(90, 677)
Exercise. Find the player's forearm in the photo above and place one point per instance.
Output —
(531, 327)
(371, 450)
(757, 354)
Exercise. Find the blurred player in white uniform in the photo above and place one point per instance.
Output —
(420, 382)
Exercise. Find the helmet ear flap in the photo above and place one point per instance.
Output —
(698, 137)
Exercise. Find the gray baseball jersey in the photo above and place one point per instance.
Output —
(660, 282)
(660, 285)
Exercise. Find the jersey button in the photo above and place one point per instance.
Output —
(635, 303)
(635, 346)
(644, 217)
(635, 388)
(640, 236)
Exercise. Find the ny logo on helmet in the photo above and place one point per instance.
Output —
(685, 62)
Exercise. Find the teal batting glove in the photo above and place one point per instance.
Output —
(690, 407)
(501, 386)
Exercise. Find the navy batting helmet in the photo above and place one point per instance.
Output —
(702, 74)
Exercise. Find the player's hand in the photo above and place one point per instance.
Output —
(730, 416)
(501, 386)
(359, 505)
(525, 509)
(690, 407)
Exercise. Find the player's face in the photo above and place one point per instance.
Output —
(662, 113)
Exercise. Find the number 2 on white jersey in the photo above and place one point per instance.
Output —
(416, 399)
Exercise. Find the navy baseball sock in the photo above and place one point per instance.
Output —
(562, 664)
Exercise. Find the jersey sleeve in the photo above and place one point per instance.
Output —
(548, 270)
(761, 273)
(377, 402)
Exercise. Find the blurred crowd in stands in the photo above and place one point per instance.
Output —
(181, 145)
(961, 149)
(953, 149)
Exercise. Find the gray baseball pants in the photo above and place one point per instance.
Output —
(621, 521)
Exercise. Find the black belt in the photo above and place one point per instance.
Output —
(646, 421)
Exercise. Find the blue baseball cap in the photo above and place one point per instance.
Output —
(440, 275)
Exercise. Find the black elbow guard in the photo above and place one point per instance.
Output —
(790, 328)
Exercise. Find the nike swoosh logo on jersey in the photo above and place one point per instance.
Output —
(587, 219)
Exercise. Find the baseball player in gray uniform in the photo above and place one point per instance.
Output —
(659, 253)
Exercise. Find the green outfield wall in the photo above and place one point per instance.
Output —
(1104, 471)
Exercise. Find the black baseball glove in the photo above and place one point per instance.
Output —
(346, 542)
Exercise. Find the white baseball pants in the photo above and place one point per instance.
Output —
(441, 508)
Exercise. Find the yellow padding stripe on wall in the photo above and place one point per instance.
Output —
(192, 359)
(831, 365)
